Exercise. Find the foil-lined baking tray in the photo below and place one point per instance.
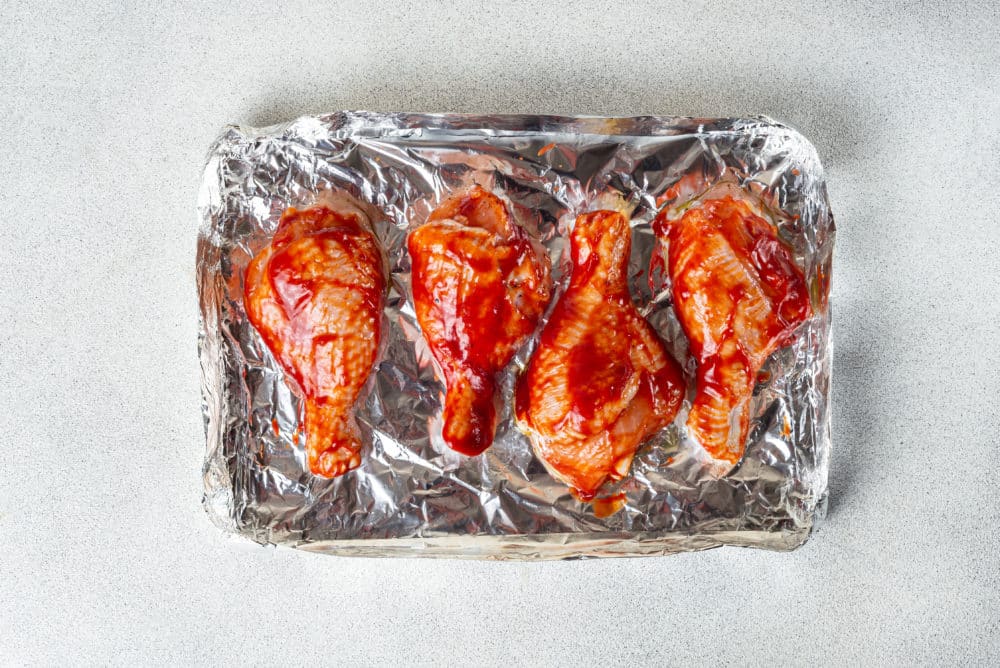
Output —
(412, 496)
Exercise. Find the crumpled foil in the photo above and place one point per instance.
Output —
(414, 497)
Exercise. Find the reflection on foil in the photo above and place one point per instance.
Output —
(412, 495)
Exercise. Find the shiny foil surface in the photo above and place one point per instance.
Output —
(411, 495)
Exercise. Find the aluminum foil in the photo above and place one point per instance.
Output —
(412, 496)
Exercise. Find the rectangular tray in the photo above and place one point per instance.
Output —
(412, 497)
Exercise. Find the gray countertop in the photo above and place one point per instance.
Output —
(106, 555)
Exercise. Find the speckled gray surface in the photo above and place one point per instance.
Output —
(105, 553)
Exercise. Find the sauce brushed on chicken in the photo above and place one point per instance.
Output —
(600, 382)
(315, 294)
(739, 297)
(480, 284)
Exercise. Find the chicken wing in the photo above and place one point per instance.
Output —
(601, 381)
(480, 285)
(315, 294)
(739, 297)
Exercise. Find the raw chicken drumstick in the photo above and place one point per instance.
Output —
(480, 284)
(600, 382)
(315, 294)
(739, 297)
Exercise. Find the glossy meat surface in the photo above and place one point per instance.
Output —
(315, 294)
(600, 382)
(739, 297)
(480, 285)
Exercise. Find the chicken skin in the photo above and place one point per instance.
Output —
(480, 284)
(315, 294)
(739, 297)
(601, 381)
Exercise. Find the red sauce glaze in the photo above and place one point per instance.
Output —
(545, 149)
(601, 381)
(609, 505)
(315, 294)
(739, 297)
(480, 284)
